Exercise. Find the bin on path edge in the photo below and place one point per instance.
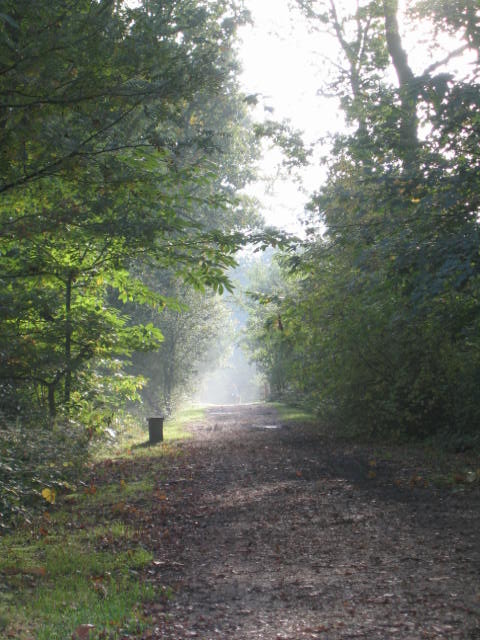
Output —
(155, 430)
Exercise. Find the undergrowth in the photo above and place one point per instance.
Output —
(81, 558)
(291, 413)
(441, 465)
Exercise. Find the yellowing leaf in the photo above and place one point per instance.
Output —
(119, 507)
(372, 474)
(49, 495)
(418, 481)
(36, 571)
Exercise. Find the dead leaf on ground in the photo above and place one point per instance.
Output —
(83, 632)
(91, 490)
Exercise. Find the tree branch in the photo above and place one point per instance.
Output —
(450, 56)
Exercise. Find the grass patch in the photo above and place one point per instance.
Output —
(132, 436)
(176, 427)
(289, 413)
(118, 488)
(59, 580)
(82, 560)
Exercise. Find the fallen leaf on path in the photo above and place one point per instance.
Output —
(83, 632)
(418, 481)
(35, 571)
(118, 507)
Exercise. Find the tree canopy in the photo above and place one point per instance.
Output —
(383, 307)
(118, 124)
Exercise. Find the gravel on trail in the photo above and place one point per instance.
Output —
(271, 531)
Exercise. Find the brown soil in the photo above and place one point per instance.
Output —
(283, 533)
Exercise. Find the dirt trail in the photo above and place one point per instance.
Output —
(273, 532)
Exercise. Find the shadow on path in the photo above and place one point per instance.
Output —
(273, 532)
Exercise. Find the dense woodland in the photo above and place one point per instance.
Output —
(125, 145)
(375, 321)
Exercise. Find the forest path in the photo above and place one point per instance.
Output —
(275, 532)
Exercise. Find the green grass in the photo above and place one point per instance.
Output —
(60, 580)
(175, 428)
(289, 413)
(118, 489)
(133, 436)
(81, 562)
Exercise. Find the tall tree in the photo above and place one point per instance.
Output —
(97, 105)
(388, 296)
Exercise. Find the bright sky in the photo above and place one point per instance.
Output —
(283, 63)
(280, 63)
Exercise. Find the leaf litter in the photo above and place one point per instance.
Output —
(286, 534)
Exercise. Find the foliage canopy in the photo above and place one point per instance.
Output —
(382, 313)
(110, 154)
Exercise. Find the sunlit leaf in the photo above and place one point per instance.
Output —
(49, 495)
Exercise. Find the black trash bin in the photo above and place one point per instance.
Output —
(155, 430)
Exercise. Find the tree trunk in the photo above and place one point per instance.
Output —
(408, 130)
(52, 408)
(352, 53)
(68, 339)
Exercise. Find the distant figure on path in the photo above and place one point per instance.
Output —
(235, 394)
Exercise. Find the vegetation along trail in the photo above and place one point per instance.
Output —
(264, 530)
